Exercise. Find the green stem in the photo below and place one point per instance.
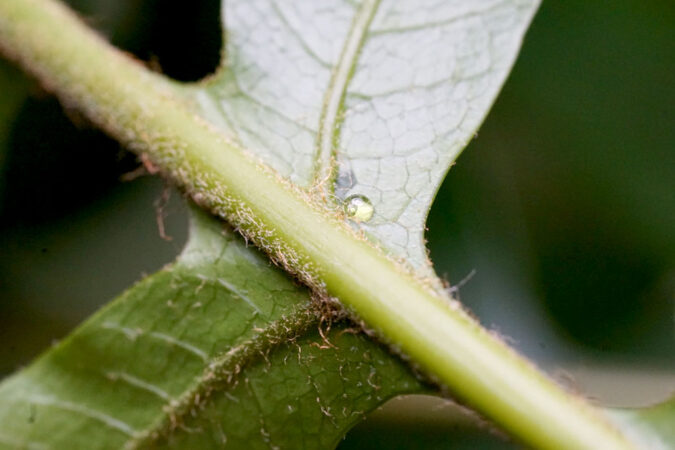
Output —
(140, 109)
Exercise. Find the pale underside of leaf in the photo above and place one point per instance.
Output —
(375, 98)
(372, 98)
(222, 349)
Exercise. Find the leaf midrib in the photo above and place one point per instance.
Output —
(222, 372)
(330, 119)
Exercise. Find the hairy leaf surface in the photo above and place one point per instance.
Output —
(366, 98)
(370, 98)
(217, 348)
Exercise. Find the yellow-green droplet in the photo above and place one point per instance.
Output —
(358, 208)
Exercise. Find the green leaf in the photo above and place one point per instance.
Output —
(369, 98)
(652, 427)
(374, 99)
(219, 347)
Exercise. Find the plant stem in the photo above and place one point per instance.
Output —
(140, 109)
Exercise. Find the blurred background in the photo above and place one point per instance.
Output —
(558, 218)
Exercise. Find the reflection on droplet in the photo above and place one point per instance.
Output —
(358, 208)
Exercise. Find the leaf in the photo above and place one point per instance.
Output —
(219, 347)
(652, 427)
(389, 92)
(372, 98)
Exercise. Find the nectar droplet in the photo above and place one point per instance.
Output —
(358, 208)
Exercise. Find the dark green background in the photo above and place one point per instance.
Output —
(563, 208)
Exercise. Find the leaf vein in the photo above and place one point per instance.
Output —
(329, 123)
(93, 414)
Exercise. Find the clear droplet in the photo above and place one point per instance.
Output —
(358, 208)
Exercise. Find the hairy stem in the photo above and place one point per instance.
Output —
(140, 109)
